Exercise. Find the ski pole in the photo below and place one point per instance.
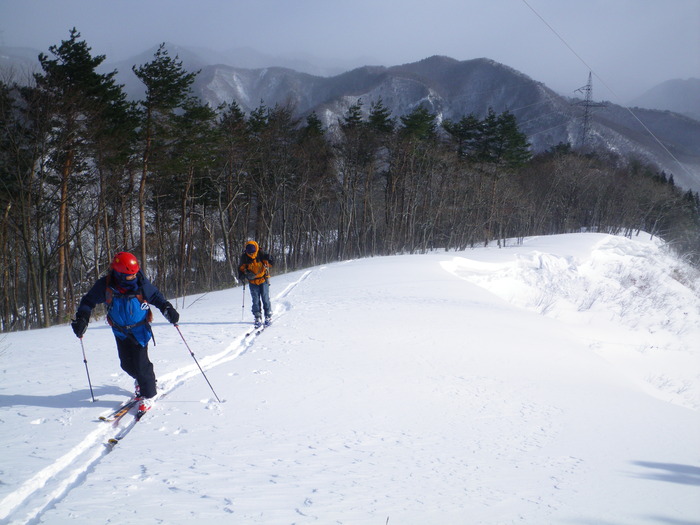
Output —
(82, 346)
(243, 302)
(195, 360)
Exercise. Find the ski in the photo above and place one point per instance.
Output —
(124, 431)
(255, 331)
(121, 411)
(258, 329)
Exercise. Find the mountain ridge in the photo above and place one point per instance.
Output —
(450, 89)
(677, 95)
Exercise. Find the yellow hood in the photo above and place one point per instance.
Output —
(255, 253)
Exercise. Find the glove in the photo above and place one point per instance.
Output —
(80, 323)
(170, 313)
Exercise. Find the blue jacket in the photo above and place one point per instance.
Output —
(126, 313)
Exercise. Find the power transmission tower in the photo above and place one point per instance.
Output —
(587, 104)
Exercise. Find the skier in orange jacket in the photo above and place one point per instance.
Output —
(255, 266)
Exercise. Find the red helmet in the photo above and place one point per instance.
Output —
(125, 262)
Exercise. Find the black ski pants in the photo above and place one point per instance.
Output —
(134, 361)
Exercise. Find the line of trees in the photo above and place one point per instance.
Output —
(85, 173)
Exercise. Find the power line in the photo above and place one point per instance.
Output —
(558, 35)
(592, 72)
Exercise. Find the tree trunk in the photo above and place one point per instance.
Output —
(142, 190)
(62, 239)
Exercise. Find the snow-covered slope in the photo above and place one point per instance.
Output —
(553, 382)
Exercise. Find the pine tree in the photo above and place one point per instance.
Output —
(231, 180)
(500, 141)
(419, 124)
(313, 127)
(353, 117)
(380, 119)
(168, 88)
(82, 105)
(514, 146)
(192, 153)
(464, 134)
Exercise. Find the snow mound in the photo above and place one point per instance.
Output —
(643, 295)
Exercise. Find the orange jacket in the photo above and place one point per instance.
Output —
(254, 266)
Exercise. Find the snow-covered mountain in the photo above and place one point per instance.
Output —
(208, 61)
(452, 89)
(556, 381)
(677, 95)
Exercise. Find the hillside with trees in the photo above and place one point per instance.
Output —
(85, 173)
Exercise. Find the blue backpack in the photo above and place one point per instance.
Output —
(129, 314)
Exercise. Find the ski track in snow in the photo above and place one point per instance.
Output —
(52, 484)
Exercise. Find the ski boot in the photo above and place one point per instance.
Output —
(145, 405)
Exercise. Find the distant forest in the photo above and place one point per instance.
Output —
(86, 173)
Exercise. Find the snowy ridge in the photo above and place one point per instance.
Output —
(561, 387)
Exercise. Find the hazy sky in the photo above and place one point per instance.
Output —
(631, 45)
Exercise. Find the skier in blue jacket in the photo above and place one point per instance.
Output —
(128, 295)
